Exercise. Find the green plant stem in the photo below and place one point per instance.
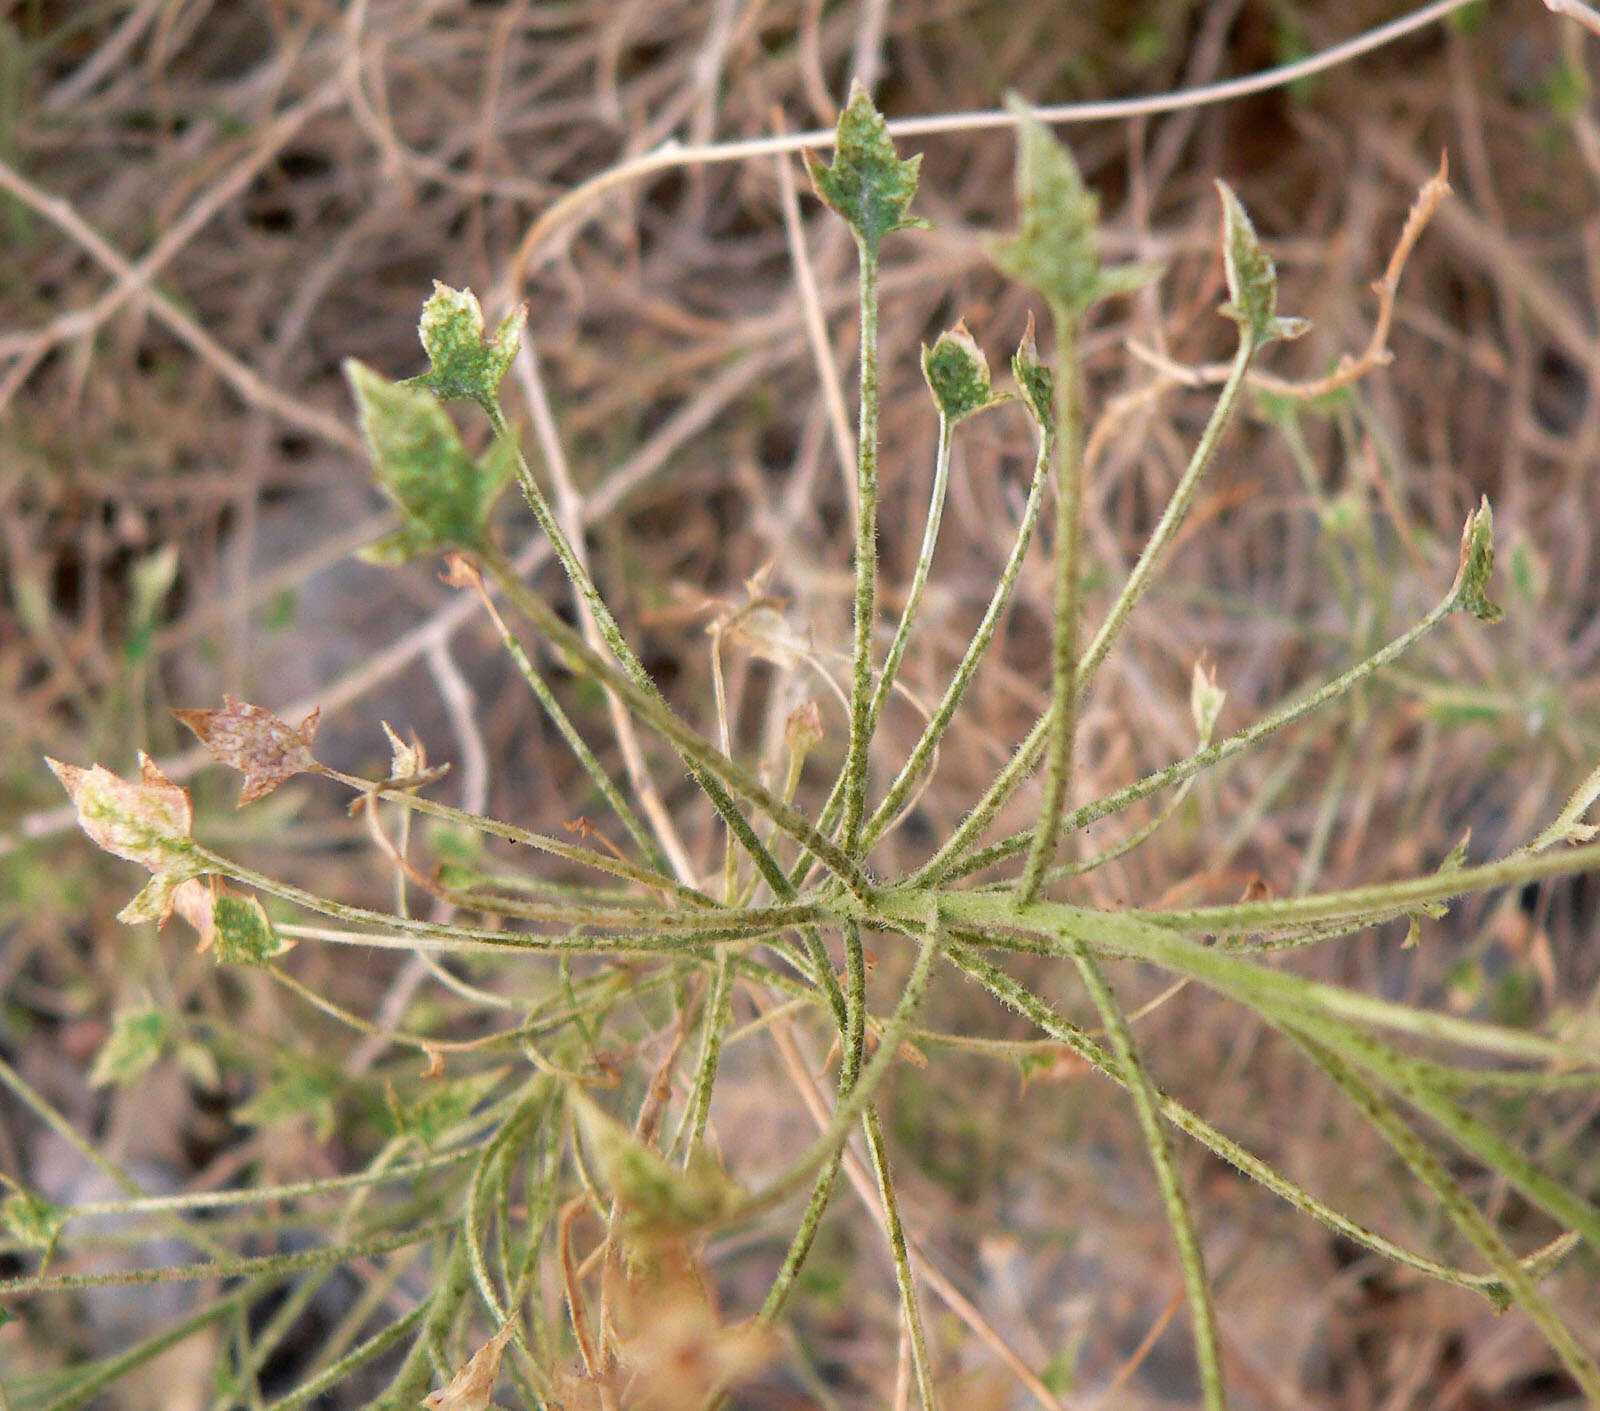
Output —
(653, 938)
(711, 768)
(1147, 1109)
(224, 1268)
(1027, 753)
(1031, 1007)
(1467, 1217)
(922, 752)
(927, 745)
(1062, 714)
(919, 576)
(947, 863)
(904, 1275)
(580, 749)
(542, 842)
(373, 1348)
(866, 557)
(1409, 1081)
(713, 1026)
(1265, 989)
(831, 1139)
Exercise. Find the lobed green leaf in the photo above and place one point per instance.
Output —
(867, 182)
(1055, 248)
(420, 463)
(462, 363)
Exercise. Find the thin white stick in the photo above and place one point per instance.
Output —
(672, 154)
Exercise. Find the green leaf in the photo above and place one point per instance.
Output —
(957, 374)
(1252, 278)
(1035, 384)
(297, 1092)
(867, 183)
(656, 1199)
(1477, 565)
(137, 1039)
(461, 361)
(1055, 249)
(443, 1106)
(421, 465)
(243, 935)
(32, 1221)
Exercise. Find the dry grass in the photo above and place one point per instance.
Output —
(209, 206)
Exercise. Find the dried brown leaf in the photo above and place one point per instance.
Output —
(265, 749)
(471, 1387)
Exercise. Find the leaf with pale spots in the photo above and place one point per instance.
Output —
(1035, 385)
(242, 934)
(461, 361)
(1055, 248)
(867, 182)
(147, 822)
(32, 1221)
(1477, 565)
(1252, 278)
(957, 374)
(138, 1038)
(265, 749)
(655, 1199)
(420, 464)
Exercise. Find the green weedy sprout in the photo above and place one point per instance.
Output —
(1056, 247)
(1035, 383)
(1252, 279)
(1477, 564)
(497, 1161)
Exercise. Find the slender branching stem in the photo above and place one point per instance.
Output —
(948, 863)
(866, 557)
(1061, 730)
(919, 577)
(714, 771)
(1147, 1108)
(1007, 781)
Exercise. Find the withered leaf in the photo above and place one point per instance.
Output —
(470, 1388)
(265, 749)
(147, 822)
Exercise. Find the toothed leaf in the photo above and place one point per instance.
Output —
(1034, 381)
(1252, 278)
(243, 935)
(1055, 249)
(957, 374)
(867, 183)
(656, 1199)
(420, 463)
(265, 749)
(461, 361)
(1477, 564)
(147, 822)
